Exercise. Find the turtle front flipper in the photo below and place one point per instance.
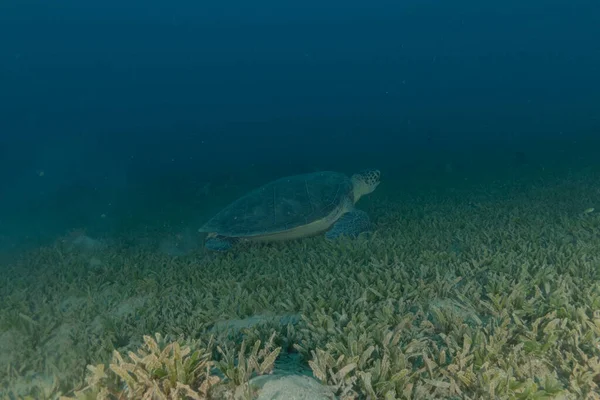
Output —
(219, 243)
(351, 224)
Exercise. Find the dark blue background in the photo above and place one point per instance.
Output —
(109, 98)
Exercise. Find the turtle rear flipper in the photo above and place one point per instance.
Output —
(219, 243)
(351, 224)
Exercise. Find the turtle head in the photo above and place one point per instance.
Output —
(365, 182)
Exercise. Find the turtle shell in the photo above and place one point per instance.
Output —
(282, 205)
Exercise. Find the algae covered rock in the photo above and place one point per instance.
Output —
(290, 387)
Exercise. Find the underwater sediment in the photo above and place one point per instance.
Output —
(497, 296)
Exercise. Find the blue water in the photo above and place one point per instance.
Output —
(115, 114)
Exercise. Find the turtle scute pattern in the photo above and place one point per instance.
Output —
(283, 204)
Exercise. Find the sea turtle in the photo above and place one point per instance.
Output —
(294, 207)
